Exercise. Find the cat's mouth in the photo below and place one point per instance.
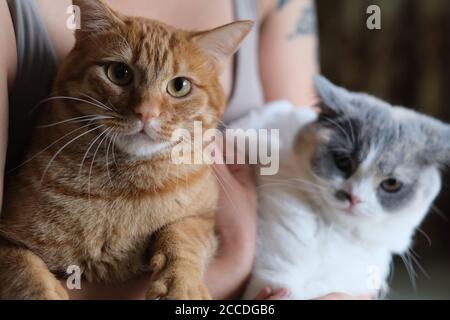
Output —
(144, 132)
(141, 144)
(145, 136)
(348, 209)
(143, 141)
(354, 212)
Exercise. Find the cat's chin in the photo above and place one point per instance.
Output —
(347, 213)
(140, 145)
(355, 214)
(359, 215)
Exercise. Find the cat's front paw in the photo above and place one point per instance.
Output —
(174, 282)
(47, 289)
(52, 291)
(177, 288)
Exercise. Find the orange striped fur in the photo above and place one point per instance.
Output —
(113, 214)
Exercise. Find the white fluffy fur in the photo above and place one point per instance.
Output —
(307, 242)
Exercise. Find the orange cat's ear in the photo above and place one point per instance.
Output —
(96, 16)
(224, 41)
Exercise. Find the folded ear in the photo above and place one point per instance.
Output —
(442, 149)
(334, 99)
(96, 16)
(222, 42)
(431, 135)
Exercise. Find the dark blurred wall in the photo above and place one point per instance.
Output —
(407, 63)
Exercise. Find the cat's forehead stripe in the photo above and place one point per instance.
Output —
(153, 48)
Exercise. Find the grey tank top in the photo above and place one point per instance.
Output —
(37, 65)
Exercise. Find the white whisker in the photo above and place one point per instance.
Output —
(93, 159)
(76, 120)
(410, 270)
(424, 234)
(351, 131)
(91, 144)
(340, 129)
(68, 143)
(114, 149)
(48, 147)
(107, 156)
(96, 101)
(70, 98)
(415, 259)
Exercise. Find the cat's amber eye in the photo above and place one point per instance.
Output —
(119, 73)
(391, 185)
(179, 87)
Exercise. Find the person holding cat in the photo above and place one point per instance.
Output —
(277, 60)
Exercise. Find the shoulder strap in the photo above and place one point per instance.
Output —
(36, 67)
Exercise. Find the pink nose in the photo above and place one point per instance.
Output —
(147, 112)
(354, 200)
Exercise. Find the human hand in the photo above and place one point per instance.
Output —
(236, 228)
(343, 296)
(268, 293)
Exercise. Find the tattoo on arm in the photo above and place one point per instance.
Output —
(281, 4)
(307, 22)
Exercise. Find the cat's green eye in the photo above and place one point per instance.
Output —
(391, 185)
(119, 73)
(179, 87)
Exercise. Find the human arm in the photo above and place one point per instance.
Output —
(289, 50)
(236, 227)
(287, 34)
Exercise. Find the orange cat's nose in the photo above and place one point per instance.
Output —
(147, 112)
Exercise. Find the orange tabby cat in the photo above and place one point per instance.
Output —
(99, 189)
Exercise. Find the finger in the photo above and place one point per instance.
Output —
(280, 294)
(223, 173)
(264, 294)
(336, 296)
(243, 174)
(218, 154)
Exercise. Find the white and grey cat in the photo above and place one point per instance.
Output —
(354, 183)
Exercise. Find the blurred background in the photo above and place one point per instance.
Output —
(407, 63)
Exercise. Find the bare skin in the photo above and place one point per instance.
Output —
(288, 42)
